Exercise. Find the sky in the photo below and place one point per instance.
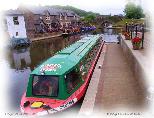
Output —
(100, 6)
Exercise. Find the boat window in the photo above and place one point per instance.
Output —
(83, 70)
(72, 80)
(45, 85)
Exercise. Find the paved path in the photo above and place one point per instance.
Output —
(118, 87)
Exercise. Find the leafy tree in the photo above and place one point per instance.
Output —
(133, 11)
(90, 17)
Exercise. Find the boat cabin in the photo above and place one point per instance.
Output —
(61, 75)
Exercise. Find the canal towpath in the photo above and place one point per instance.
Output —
(117, 87)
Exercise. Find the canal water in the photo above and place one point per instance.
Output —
(111, 35)
(23, 60)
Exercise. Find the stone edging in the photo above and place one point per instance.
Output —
(89, 99)
(137, 61)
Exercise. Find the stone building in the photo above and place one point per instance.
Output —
(40, 19)
(15, 23)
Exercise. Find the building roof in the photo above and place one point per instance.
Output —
(37, 10)
(66, 59)
(52, 10)
(70, 13)
(13, 12)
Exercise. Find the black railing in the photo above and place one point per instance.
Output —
(130, 28)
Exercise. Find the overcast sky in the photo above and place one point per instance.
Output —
(100, 6)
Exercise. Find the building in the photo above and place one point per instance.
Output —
(48, 19)
(15, 23)
(33, 20)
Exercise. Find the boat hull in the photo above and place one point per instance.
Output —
(60, 105)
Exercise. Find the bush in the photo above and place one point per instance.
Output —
(133, 11)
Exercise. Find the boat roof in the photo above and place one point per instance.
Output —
(67, 58)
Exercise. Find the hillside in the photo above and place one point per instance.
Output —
(80, 12)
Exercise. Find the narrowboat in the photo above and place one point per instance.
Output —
(59, 82)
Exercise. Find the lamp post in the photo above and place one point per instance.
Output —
(136, 29)
(126, 26)
(131, 30)
(142, 35)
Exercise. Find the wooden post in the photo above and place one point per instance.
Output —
(136, 29)
(126, 26)
(142, 35)
(131, 31)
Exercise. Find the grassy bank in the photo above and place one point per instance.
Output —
(129, 21)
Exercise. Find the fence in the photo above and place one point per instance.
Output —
(136, 30)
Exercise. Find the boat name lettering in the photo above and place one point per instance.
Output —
(52, 111)
(50, 67)
(68, 104)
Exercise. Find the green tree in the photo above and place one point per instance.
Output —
(133, 11)
(90, 17)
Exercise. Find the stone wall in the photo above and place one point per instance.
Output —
(137, 61)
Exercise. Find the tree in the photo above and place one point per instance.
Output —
(133, 11)
(90, 18)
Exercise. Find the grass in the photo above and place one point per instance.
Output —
(129, 21)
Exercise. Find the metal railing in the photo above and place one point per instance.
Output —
(131, 28)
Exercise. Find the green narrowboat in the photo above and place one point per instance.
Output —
(62, 80)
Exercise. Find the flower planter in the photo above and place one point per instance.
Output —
(127, 38)
(136, 41)
(136, 47)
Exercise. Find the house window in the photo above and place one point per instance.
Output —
(65, 17)
(47, 17)
(49, 25)
(60, 17)
(17, 33)
(15, 20)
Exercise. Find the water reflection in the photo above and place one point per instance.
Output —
(21, 58)
(110, 35)
(110, 38)
(42, 50)
(111, 31)
(24, 60)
